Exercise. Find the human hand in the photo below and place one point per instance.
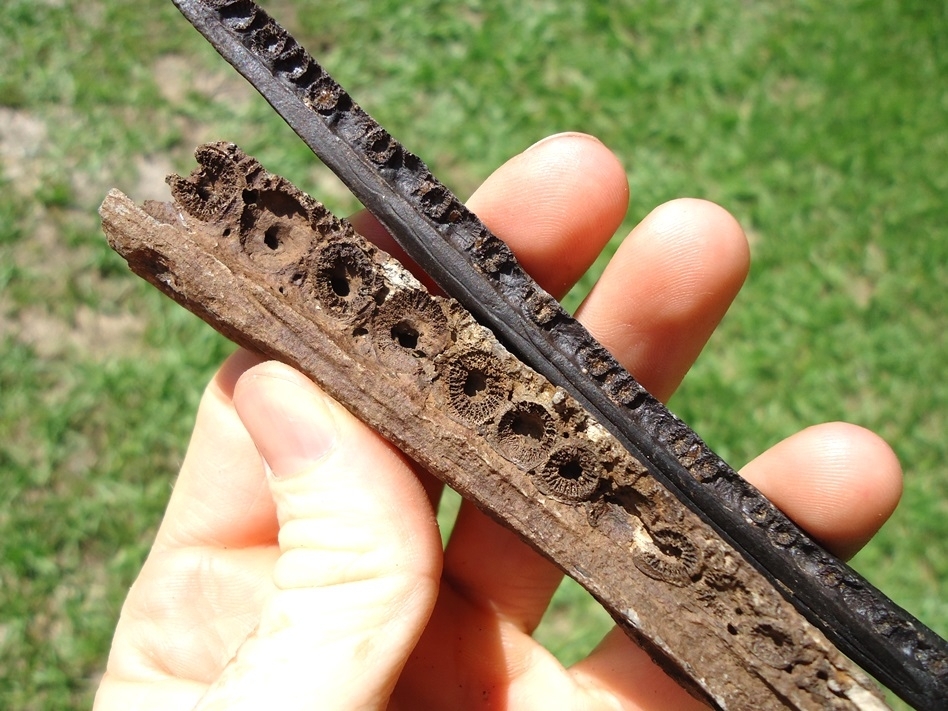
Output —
(323, 585)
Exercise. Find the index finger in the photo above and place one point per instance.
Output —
(545, 206)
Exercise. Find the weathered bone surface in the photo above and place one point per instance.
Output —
(271, 269)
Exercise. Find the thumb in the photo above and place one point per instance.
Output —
(360, 556)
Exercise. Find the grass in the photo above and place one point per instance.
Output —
(821, 127)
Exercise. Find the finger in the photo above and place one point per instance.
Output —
(623, 669)
(556, 205)
(220, 497)
(838, 482)
(359, 555)
(490, 566)
(666, 289)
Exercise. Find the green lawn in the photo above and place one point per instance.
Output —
(822, 127)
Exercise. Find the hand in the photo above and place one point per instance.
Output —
(323, 583)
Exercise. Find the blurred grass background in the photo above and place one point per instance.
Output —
(822, 127)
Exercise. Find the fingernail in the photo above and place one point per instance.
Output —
(565, 134)
(290, 422)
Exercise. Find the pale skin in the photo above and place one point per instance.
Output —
(299, 564)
